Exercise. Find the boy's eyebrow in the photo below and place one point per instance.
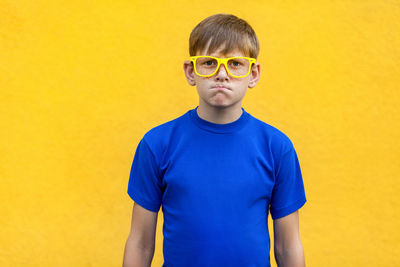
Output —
(231, 53)
(225, 56)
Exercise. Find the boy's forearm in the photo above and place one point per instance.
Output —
(291, 257)
(135, 256)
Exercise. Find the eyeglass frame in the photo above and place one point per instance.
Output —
(223, 61)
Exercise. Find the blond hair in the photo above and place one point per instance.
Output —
(224, 30)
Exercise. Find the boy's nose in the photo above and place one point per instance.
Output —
(222, 73)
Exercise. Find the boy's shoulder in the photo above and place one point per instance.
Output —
(270, 132)
(160, 136)
(162, 133)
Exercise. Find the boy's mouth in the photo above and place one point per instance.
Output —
(221, 87)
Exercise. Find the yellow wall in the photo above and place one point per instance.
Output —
(82, 81)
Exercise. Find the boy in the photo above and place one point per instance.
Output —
(217, 170)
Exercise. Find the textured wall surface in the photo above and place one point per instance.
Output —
(82, 81)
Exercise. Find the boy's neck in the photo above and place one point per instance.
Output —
(220, 115)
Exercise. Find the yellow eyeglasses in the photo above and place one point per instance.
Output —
(238, 67)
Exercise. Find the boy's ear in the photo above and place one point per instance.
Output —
(189, 72)
(254, 75)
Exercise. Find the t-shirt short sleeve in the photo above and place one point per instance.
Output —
(288, 194)
(145, 187)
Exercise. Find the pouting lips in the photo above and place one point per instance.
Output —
(219, 87)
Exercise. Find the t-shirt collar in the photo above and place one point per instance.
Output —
(219, 128)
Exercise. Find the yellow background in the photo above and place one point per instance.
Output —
(82, 81)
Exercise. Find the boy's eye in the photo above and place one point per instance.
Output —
(209, 63)
(235, 63)
(206, 62)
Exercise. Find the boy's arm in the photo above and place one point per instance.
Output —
(139, 248)
(288, 249)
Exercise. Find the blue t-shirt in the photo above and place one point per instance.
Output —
(215, 184)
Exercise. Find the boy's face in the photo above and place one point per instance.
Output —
(221, 89)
